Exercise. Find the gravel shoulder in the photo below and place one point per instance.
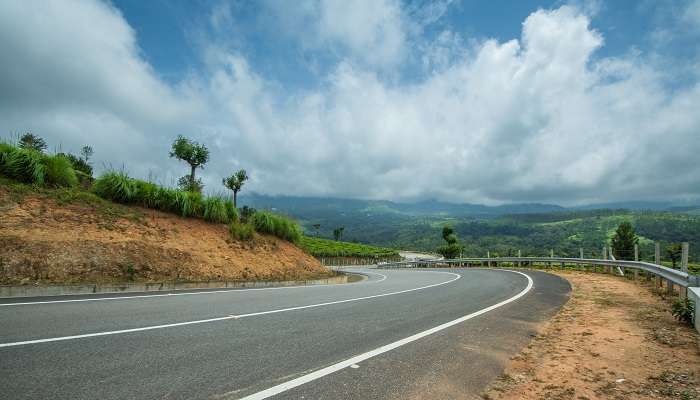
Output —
(614, 339)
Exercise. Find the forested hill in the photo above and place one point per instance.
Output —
(532, 228)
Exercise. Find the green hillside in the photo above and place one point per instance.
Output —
(330, 248)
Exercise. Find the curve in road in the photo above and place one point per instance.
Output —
(294, 343)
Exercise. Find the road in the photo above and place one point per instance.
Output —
(399, 334)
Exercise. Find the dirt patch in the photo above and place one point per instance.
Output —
(614, 339)
(45, 238)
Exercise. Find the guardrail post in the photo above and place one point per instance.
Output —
(488, 256)
(636, 258)
(657, 253)
(551, 255)
(520, 263)
(684, 257)
(605, 257)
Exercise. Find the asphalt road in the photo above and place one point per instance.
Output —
(399, 334)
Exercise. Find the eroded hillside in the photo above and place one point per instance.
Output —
(51, 236)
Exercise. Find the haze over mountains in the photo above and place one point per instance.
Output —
(307, 206)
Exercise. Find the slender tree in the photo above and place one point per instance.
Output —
(338, 233)
(194, 154)
(32, 142)
(674, 252)
(623, 242)
(235, 183)
(452, 249)
(86, 152)
(316, 227)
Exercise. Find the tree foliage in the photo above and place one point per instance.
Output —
(194, 154)
(452, 249)
(235, 182)
(623, 241)
(674, 252)
(30, 141)
(338, 233)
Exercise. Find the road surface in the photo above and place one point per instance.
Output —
(442, 333)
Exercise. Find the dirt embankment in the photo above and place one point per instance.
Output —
(614, 339)
(55, 237)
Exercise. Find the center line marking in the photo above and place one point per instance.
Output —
(202, 321)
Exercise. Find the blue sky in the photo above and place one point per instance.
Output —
(492, 102)
(169, 32)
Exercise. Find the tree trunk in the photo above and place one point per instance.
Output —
(192, 174)
(235, 192)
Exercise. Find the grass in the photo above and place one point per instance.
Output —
(241, 231)
(277, 225)
(329, 248)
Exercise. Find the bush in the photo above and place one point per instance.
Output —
(116, 186)
(241, 231)
(277, 225)
(23, 165)
(231, 212)
(59, 172)
(684, 310)
(215, 210)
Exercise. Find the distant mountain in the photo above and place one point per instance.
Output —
(629, 205)
(308, 206)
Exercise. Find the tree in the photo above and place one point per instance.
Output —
(235, 182)
(316, 227)
(338, 233)
(86, 152)
(674, 252)
(623, 242)
(32, 142)
(194, 154)
(452, 249)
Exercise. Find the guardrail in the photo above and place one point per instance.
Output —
(672, 276)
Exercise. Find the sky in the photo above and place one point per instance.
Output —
(567, 102)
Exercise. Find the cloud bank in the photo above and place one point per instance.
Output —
(536, 118)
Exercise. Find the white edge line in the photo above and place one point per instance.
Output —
(283, 387)
(183, 294)
(202, 321)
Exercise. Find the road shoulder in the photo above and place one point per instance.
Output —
(613, 339)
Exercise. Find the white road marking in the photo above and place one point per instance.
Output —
(283, 387)
(178, 294)
(202, 321)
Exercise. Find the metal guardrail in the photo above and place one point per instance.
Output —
(672, 275)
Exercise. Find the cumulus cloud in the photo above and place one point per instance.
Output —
(536, 118)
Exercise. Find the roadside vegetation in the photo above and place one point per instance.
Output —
(331, 248)
(26, 163)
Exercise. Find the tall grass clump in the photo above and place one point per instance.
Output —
(231, 212)
(215, 210)
(59, 172)
(277, 225)
(116, 186)
(23, 165)
(241, 231)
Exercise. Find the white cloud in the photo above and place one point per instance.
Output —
(535, 119)
(372, 32)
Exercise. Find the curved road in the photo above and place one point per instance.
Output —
(399, 334)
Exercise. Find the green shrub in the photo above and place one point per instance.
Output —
(59, 172)
(241, 231)
(146, 194)
(116, 186)
(277, 225)
(23, 165)
(188, 204)
(684, 310)
(215, 210)
(231, 212)
(4, 149)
